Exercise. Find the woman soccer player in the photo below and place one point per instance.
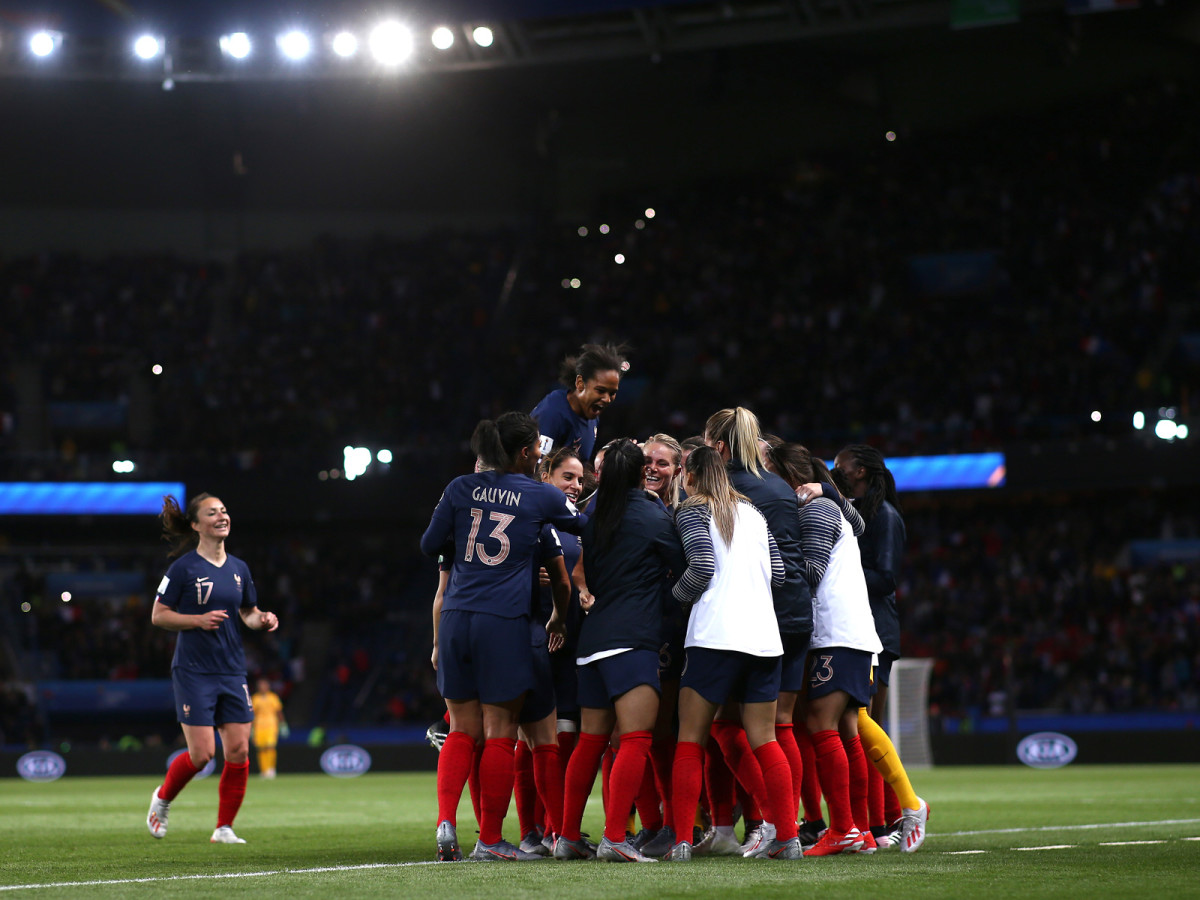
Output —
(489, 524)
(861, 472)
(733, 647)
(197, 597)
(567, 417)
(630, 548)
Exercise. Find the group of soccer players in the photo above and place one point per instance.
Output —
(709, 631)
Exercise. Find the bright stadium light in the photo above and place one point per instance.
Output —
(123, 466)
(43, 43)
(1139, 420)
(384, 456)
(1096, 417)
(236, 45)
(391, 43)
(355, 460)
(1181, 431)
(443, 38)
(65, 596)
(619, 259)
(295, 45)
(147, 47)
(1166, 430)
(345, 44)
(482, 35)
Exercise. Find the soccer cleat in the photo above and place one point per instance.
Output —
(912, 828)
(642, 837)
(548, 843)
(869, 844)
(681, 852)
(778, 849)
(156, 819)
(501, 851)
(532, 843)
(757, 839)
(810, 832)
(447, 843)
(723, 843)
(622, 852)
(834, 842)
(662, 841)
(565, 849)
(224, 835)
(883, 836)
(436, 733)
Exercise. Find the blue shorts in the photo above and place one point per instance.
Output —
(883, 671)
(539, 702)
(795, 662)
(721, 675)
(603, 681)
(207, 699)
(840, 669)
(566, 682)
(483, 657)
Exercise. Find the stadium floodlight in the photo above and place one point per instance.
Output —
(1139, 420)
(1166, 430)
(384, 456)
(345, 44)
(43, 43)
(236, 45)
(619, 259)
(1096, 416)
(147, 47)
(1181, 431)
(355, 460)
(295, 45)
(483, 36)
(123, 466)
(391, 43)
(442, 37)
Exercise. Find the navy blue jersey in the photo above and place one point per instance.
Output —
(628, 577)
(882, 547)
(569, 549)
(561, 426)
(550, 547)
(495, 520)
(194, 586)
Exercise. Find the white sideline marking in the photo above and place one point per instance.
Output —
(1064, 827)
(962, 852)
(1127, 843)
(1049, 847)
(262, 874)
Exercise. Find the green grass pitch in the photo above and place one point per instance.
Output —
(1079, 832)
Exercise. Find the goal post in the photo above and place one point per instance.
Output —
(908, 712)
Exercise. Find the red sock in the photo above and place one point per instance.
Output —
(230, 791)
(777, 776)
(548, 775)
(857, 760)
(834, 773)
(647, 801)
(178, 775)
(580, 776)
(566, 746)
(785, 734)
(719, 783)
(891, 803)
(496, 783)
(606, 765)
(740, 758)
(875, 796)
(446, 717)
(524, 791)
(624, 782)
(455, 763)
(662, 755)
(687, 771)
(473, 784)
(810, 784)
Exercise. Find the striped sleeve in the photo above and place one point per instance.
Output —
(692, 522)
(820, 525)
(778, 572)
(857, 525)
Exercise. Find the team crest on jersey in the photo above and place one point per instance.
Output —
(238, 579)
(187, 711)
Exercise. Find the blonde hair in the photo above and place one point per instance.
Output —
(677, 451)
(738, 428)
(711, 487)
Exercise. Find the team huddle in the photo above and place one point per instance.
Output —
(710, 622)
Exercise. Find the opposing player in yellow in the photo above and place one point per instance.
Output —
(268, 725)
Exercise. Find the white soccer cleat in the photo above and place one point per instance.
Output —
(912, 827)
(225, 835)
(723, 843)
(758, 839)
(156, 819)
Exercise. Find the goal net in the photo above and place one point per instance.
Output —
(908, 711)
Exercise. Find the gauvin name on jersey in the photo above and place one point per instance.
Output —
(496, 495)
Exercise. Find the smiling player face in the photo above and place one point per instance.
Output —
(660, 469)
(591, 397)
(212, 520)
(568, 478)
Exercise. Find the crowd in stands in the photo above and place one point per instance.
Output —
(802, 297)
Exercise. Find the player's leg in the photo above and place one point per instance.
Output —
(231, 790)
